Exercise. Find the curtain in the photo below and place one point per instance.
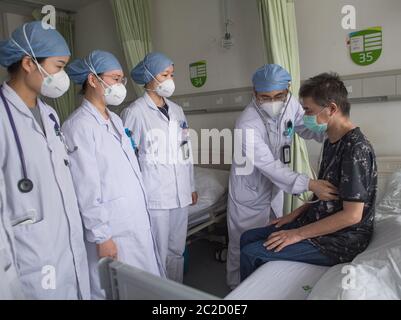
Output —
(279, 30)
(66, 104)
(133, 27)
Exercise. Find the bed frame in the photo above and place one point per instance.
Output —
(217, 213)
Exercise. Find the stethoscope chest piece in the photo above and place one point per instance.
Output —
(25, 185)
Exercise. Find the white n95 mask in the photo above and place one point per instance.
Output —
(273, 109)
(166, 88)
(54, 85)
(115, 95)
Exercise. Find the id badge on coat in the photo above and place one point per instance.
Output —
(286, 154)
(185, 150)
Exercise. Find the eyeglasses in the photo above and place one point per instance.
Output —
(280, 97)
(117, 79)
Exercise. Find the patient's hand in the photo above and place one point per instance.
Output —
(324, 190)
(281, 239)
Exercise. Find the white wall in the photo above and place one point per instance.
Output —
(322, 46)
(8, 23)
(322, 39)
(191, 30)
(95, 29)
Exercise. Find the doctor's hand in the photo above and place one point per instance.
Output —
(194, 198)
(107, 249)
(281, 239)
(323, 189)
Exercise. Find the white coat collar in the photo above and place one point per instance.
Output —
(152, 105)
(89, 107)
(15, 100)
(150, 102)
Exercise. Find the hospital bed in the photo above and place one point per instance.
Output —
(376, 275)
(212, 187)
(123, 282)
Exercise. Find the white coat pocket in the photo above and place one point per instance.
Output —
(246, 191)
(121, 217)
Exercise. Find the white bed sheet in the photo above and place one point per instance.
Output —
(279, 280)
(212, 186)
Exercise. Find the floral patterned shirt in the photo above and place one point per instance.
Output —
(350, 165)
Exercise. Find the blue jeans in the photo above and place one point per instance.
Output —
(254, 254)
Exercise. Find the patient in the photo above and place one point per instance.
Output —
(332, 232)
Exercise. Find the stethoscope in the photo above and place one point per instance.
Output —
(25, 185)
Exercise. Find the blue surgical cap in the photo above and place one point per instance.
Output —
(153, 64)
(96, 62)
(271, 77)
(33, 40)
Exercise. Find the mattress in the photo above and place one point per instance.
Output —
(212, 188)
(279, 280)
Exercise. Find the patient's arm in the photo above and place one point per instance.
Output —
(350, 215)
(279, 222)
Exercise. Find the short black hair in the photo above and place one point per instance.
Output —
(14, 68)
(84, 87)
(327, 88)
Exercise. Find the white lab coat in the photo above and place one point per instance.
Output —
(110, 191)
(252, 196)
(46, 224)
(10, 287)
(168, 175)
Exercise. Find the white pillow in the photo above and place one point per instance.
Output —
(374, 274)
(391, 202)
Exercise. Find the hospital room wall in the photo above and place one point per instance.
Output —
(95, 29)
(192, 30)
(322, 47)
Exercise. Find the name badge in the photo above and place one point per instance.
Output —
(286, 154)
(185, 150)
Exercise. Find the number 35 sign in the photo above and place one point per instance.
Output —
(366, 45)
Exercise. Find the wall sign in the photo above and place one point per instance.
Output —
(366, 45)
(198, 73)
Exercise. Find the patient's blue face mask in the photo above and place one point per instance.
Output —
(312, 124)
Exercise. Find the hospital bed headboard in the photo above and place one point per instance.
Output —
(386, 167)
(125, 282)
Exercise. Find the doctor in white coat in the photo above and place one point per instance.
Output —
(161, 132)
(271, 120)
(41, 205)
(106, 173)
